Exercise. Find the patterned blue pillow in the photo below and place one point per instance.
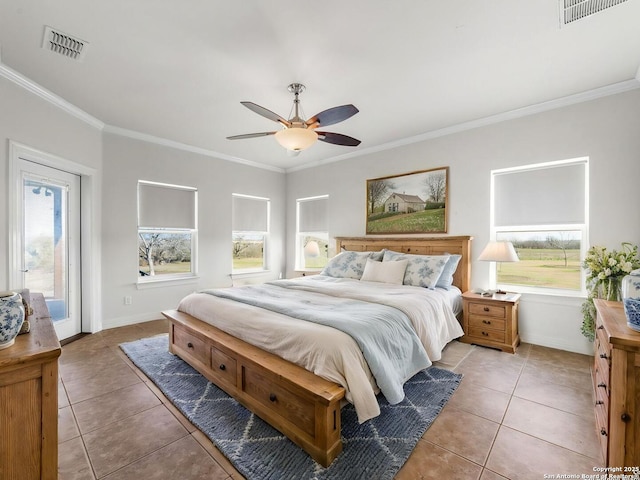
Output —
(377, 256)
(446, 277)
(422, 270)
(347, 265)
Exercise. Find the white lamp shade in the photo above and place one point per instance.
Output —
(296, 138)
(499, 252)
(312, 249)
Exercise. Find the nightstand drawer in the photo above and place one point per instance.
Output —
(496, 311)
(488, 322)
(487, 334)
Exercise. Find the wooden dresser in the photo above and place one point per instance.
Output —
(29, 401)
(616, 382)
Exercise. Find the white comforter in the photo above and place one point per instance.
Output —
(326, 351)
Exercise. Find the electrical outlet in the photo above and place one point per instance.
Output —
(127, 300)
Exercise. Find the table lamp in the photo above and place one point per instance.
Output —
(499, 252)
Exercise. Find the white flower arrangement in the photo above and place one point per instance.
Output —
(605, 270)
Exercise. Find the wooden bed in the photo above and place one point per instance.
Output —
(298, 403)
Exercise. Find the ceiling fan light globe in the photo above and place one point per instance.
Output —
(296, 139)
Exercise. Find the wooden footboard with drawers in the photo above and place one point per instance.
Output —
(301, 405)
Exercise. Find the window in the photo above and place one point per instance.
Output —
(542, 209)
(167, 231)
(250, 224)
(312, 235)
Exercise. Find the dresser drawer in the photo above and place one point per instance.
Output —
(224, 367)
(602, 399)
(602, 428)
(191, 344)
(263, 387)
(602, 386)
(487, 334)
(602, 366)
(488, 323)
(496, 311)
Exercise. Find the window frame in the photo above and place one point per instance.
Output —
(193, 232)
(583, 228)
(300, 264)
(264, 234)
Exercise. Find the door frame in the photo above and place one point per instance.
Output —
(90, 269)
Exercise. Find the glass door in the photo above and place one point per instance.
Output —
(50, 242)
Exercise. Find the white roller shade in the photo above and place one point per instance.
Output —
(166, 206)
(540, 196)
(313, 215)
(250, 214)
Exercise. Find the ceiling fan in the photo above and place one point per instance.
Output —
(299, 133)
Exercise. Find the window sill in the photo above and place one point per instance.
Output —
(166, 282)
(250, 273)
(545, 292)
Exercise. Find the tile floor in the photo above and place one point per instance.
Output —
(513, 416)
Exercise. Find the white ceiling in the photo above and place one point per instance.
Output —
(177, 70)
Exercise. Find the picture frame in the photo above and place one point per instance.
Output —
(414, 202)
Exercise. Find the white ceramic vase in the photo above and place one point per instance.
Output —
(631, 299)
(11, 317)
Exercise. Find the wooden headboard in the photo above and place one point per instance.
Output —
(420, 246)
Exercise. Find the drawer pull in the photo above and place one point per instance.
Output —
(600, 327)
(223, 366)
(485, 334)
(603, 432)
(486, 322)
(486, 309)
(625, 417)
(190, 345)
(603, 355)
(602, 385)
(599, 402)
(272, 397)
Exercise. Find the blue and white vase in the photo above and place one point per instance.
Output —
(631, 299)
(11, 317)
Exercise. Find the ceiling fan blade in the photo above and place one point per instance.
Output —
(250, 135)
(333, 115)
(338, 139)
(266, 113)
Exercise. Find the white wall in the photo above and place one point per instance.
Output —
(606, 130)
(31, 121)
(125, 162)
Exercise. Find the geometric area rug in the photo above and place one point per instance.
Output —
(374, 450)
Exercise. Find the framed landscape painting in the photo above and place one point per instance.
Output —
(413, 202)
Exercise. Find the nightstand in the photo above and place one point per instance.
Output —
(491, 321)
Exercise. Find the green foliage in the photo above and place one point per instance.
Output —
(434, 205)
(588, 310)
(418, 222)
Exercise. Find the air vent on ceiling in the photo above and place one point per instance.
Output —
(572, 10)
(58, 42)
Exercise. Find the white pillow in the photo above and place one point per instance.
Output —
(384, 272)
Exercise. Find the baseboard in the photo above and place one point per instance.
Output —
(581, 345)
(130, 320)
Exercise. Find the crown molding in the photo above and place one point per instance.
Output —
(64, 105)
(48, 96)
(123, 132)
(594, 94)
